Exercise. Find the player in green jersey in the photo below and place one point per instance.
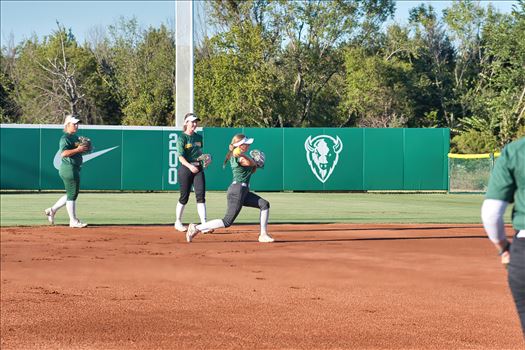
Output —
(190, 171)
(71, 152)
(507, 185)
(239, 193)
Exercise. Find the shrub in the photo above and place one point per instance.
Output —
(474, 141)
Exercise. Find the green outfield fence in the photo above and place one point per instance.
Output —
(307, 159)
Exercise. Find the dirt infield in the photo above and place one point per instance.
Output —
(319, 287)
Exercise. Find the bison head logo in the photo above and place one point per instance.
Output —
(322, 153)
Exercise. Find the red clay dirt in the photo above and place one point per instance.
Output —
(318, 287)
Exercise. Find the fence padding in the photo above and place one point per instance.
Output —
(297, 159)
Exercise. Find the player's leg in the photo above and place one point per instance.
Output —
(185, 179)
(517, 277)
(255, 201)
(71, 178)
(235, 198)
(199, 185)
(50, 212)
(208, 226)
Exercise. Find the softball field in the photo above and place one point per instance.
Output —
(320, 286)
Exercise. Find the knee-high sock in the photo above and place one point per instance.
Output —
(60, 203)
(264, 221)
(201, 209)
(178, 211)
(211, 225)
(71, 210)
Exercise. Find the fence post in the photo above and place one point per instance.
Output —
(448, 175)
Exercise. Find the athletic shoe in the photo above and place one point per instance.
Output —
(180, 227)
(192, 232)
(77, 224)
(265, 238)
(50, 215)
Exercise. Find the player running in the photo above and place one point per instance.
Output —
(238, 194)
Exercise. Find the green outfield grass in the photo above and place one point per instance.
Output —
(159, 208)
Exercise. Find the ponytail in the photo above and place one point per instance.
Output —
(228, 155)
(231, 147)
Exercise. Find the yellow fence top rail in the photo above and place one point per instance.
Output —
(473, 156)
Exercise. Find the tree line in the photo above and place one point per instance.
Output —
(279, 63)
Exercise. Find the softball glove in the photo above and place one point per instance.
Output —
(205, 159)
(85, 141)
(258, 157)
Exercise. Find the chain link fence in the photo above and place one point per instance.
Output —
(470, 172)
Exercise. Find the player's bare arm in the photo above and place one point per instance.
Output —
(188, 165)
(246, 161)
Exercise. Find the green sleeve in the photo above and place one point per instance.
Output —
(64, 144)
(180, 144)
(502, 184)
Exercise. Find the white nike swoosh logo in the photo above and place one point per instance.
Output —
(86, 158)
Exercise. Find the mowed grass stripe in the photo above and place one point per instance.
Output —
(287, 207)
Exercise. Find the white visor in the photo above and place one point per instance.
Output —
(71, 119)
(191, 118)
(243, 141)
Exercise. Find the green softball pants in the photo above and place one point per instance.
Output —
(71, 177)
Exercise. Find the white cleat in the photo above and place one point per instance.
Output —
(266, 238)
(77, 224)
(50, 215)
(180, 227)
(192, 232)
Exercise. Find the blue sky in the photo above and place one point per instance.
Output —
(23, 18)
(403, 7)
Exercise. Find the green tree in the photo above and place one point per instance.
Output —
(102, 88)
(315, 36)
(302, 60)
(434, 67)
(150, 99)
(501, 90)
(54, 78)
(496, 98)
(378, 90)
(474, 141)
(237, 79)
(9, 109)
(141, 68)
(465, 20)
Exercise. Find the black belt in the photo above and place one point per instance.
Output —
(243, 184)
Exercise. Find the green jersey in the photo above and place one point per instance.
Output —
(507, 182)
(190, 146)
(68, 142)
(240, 173)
